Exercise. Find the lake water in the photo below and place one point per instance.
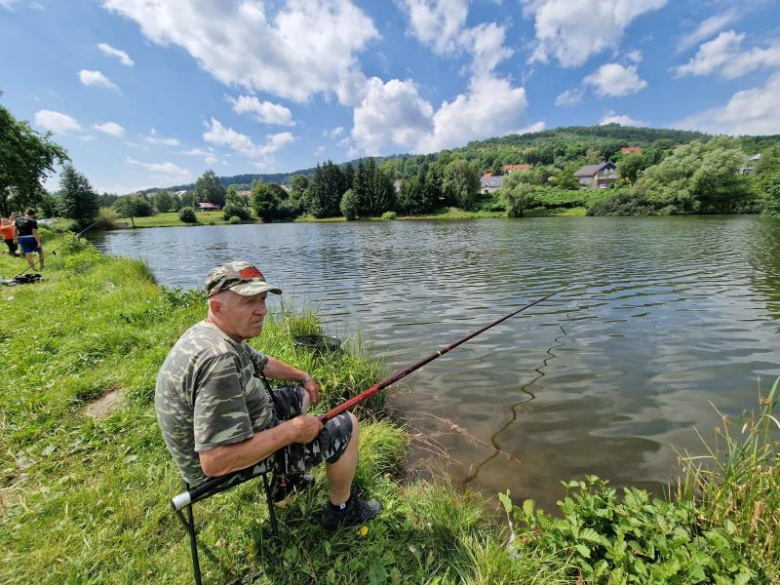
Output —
(662, 316)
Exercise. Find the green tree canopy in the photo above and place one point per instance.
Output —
(79, 200)
(630, 165)
(26, 159)
(163, 201)
(208, 188)
(349, 204)
(461, 183)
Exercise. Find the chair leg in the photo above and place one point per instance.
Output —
(269, 500)
(193, 545)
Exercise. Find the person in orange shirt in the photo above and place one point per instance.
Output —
(7, 225)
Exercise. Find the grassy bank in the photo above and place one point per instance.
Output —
(171, 219)
(86, 499)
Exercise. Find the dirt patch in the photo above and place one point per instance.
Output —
(106, 405)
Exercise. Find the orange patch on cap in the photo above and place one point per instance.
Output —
(250, 273)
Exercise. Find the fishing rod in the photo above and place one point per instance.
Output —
(219, 483)
(53, 252)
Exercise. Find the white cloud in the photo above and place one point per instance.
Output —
(123, 57)
(336, 132)
(438, 23)
(264, 112)
(97, 79)
(535, 127)
(490, 107)
(301, 49)
(570, 97)
(391, 112)
(724, 56)
(56, 122)
(165, 169)
(624, 120)
(152, 138)
(708, 28)
(615, 80)
(752, 111)
(198, 152)
(319, 150)
(110, 128)
(574, 30)
(218, 134)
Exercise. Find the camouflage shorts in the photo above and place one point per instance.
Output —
(328, 446)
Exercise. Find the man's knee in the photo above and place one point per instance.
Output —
(355, 426)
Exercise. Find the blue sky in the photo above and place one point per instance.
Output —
(153, 92)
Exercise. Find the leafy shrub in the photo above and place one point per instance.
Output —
(234, 219)
(74, 245)
(636, 540)
(187, 215)
(628, 202)
(389, 215)
(107, 218)
(233, 210)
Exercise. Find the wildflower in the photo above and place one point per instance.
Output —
(363, 530)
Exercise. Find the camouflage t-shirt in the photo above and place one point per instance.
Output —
(208, 395)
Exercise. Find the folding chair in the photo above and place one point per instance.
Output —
(212, 487)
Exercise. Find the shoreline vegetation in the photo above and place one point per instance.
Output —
(84, 491)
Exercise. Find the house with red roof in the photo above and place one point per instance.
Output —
(509, 168)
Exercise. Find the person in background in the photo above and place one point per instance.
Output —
(7, 225)
(27, 235)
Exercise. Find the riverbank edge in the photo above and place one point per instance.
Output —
(99, 487)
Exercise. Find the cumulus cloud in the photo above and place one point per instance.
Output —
(152, 138)
(165, 169)
(264, 112)
(724, 56)
(623, 120)
(303, 48)
(391, 112)
(572, 31)
(56, 122)
(336, 132)
(96, 78)
(615, 80)
(110, 128)
(123, 57)
(218, 134)
(438, 23)
(708, 28)
(535, 127)
(752, 111)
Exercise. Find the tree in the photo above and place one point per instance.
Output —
(361, 190)
(133, 206)
(163, 201)
(770, 195)
(327, 187)
(461, 183)
(265, 201)
(232, 197)
(188, 199)
(519, 197)
(79, 200)
(385, 198)
(349, 204)
(26, 159)
(208, 188)
(628, 168)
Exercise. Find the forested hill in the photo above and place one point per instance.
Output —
(560, 146)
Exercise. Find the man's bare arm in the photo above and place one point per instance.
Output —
(281, 371)
(223, 460)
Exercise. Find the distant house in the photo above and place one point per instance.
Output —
(598, 176)
(180, 193)
(509, 168)
(630, 150)
(206, 206)
(491, 183)
(750, 163)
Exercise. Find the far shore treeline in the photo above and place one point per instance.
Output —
(658, 171)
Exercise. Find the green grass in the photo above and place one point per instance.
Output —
(171, 219)
(556, 212)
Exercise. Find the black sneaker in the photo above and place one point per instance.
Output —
(356, 512)
(283, 485)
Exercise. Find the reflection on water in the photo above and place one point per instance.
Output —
(662, 316)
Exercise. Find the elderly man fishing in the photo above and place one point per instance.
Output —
(217, 415)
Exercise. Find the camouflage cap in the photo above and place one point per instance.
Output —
(240, 277)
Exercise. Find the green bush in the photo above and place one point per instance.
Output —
(187, 215)
(234, 219)
(634, 540)
(232, 210)
(628, 202)
(389, 215)
(349, 204)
